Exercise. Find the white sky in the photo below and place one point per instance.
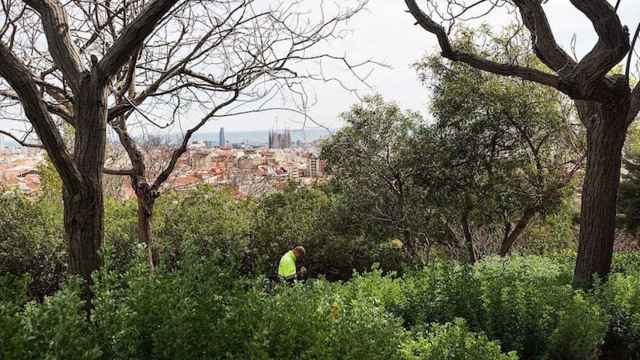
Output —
(385, 33)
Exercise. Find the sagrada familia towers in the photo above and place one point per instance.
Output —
(280, 140)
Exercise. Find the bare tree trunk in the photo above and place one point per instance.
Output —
(410, 248)
(83, 223)
(468, 238)
(146, 201)
(606, 129)
(83, 208)
(514, 234)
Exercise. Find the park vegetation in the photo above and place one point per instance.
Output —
(485, 230)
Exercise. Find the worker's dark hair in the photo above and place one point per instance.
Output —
(299, 249)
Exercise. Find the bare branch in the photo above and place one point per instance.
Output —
(544, 43)
(612, 45)
(21, 141)
(21, 80)
(119, 172)
(62, 49)
(164, 175)
(132, 36)
(483, 64)
(54, 109)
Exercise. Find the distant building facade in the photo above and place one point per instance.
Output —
(314, 168)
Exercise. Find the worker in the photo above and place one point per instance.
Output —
(287, 266)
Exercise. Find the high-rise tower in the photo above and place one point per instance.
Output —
(223, 141)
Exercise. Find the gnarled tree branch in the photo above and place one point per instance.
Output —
(61, 47)
(450, 53)
(132, 36)
(21, 80)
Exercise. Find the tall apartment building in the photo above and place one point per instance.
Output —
(313, 166)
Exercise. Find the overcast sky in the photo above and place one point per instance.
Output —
(385, 32)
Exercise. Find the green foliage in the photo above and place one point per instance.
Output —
(520, 300)
(453, 341)
(198, 225)
(498, 149)
(12, 299)
(315, 322)
(55, 329)
(320, 220)
(372, 155)
(120, 248)
(31, 242)
(555, 232)
(524, 302)
(580, 332)
(439, 293)
(620, 297)
(628, 199)
(202, 223)
(206, 309)
(626, 262)
(216, 315)
(50, 182)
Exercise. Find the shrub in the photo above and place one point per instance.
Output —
(55, 329)
(215, 314)
(202, 223)
(316, 322)
(319, 219)
(526, 303)
(453, 341)
(31, 242)
(580, 332)
(439, 293)
(620, 297)
(12, 298)
(381, 290)
(521, 298)
(163, 316)
(626, 262)
(121, 241)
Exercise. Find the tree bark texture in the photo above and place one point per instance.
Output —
(606, 130)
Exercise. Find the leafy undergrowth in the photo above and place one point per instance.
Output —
(522, 307)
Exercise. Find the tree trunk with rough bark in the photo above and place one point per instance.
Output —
(83, 208)
(606, 130)
(146, 201)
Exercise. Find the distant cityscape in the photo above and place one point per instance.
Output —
(248, 163)
(262, 138)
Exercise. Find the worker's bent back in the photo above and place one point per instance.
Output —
(287, 267)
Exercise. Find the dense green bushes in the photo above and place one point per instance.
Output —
(523, 305)
(620, 297)
(453, 341)
(202, 223)
(207, 299)
(203, 312)
(31, 242)
(525, 302)
(319, 219)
